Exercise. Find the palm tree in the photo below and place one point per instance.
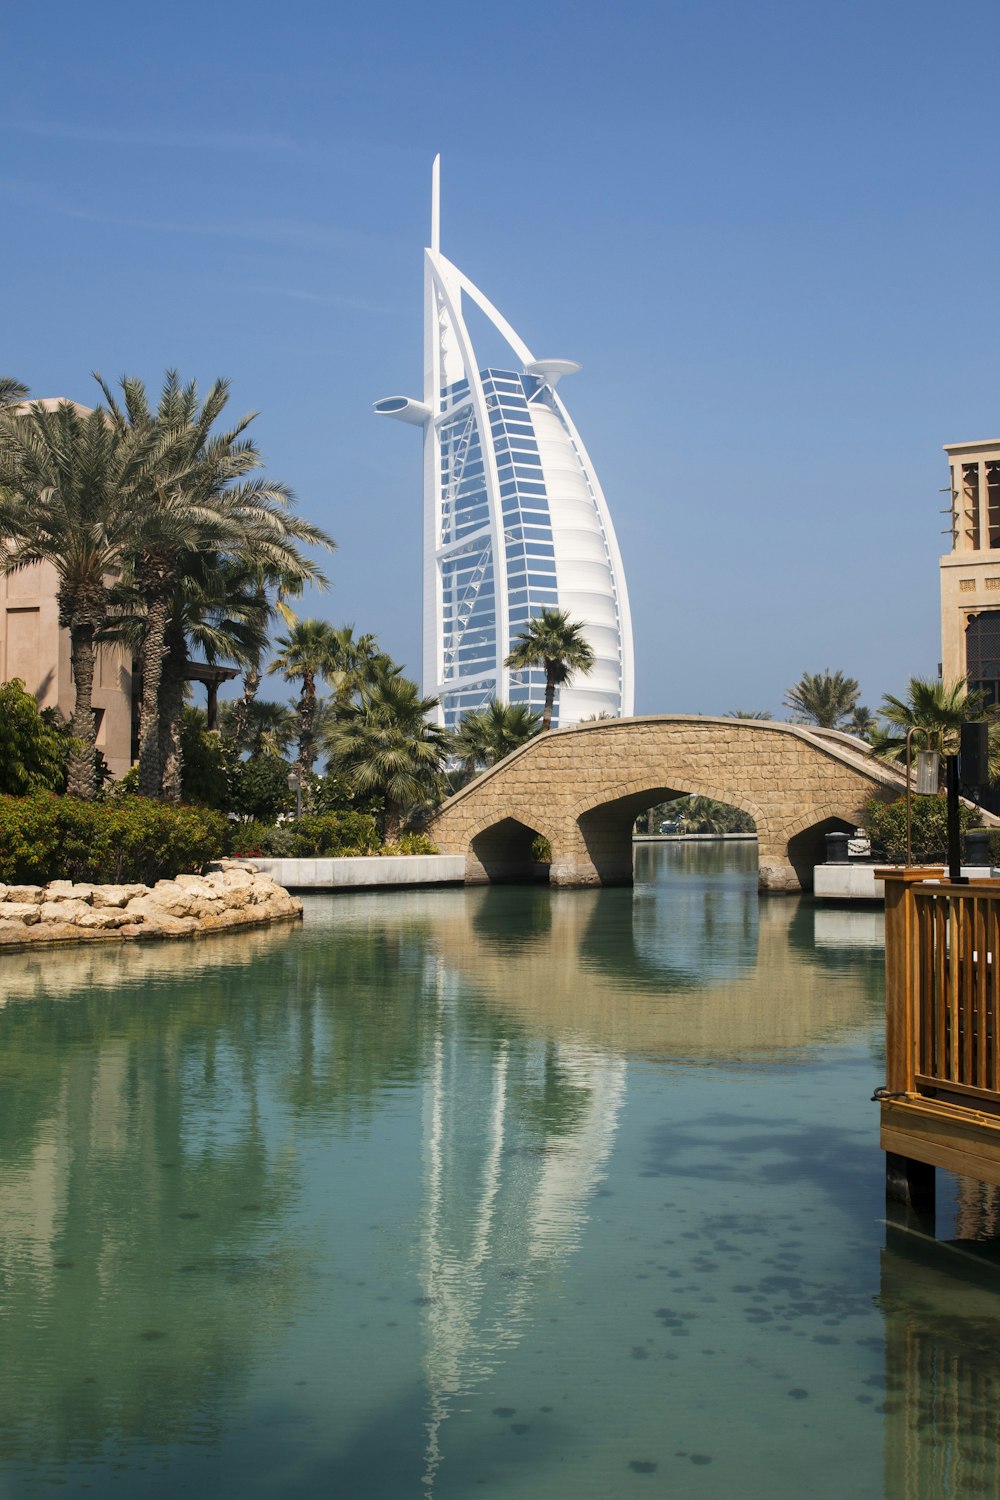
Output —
(863, 723)
(485, 737)
(219, 611)
(306, 653)
(824, 698)
(938, 709)
(385, 744)
(206, 501)
(12, 392)
(269, 728)
(352, 662)
(749, 713)
(72, 486)
(553, 641)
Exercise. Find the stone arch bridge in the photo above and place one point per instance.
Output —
(583, 788)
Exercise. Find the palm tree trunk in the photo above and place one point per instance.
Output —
(82, 779)
(153, 651)
(393, 821)
(241, 712)
(550, 698)
(307, 724)
(171, 704)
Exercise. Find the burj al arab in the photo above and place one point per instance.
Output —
(515, 520)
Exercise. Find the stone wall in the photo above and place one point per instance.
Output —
(583, 788)
(229, 895)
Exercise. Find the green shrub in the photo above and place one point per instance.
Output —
(541, 850)
(207, 764)
(323, 835)
(265, 840)
(335, 833)
(44, 837)
(259, 788)
(885, 823)
(34, 743)
(410, 843)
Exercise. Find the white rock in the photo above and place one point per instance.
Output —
(103, 917)
(25, 893)
(116, 895)
(66, 910)
(18, 911)
(68, 890)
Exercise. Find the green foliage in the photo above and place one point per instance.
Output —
(485, 737)
(124, 786)
(259, 788)
(541, 850)
(323, 835)
(935, 709)
(410, 843)
(207, 767)
(701, 815)
(385, 745)
(823, 698)
(44, 837)
(34, 745)
(553, 641)
(334, 833)
(885, 823)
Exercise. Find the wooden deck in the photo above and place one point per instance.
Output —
(941, 1104)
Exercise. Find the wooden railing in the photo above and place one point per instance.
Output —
(943, 988)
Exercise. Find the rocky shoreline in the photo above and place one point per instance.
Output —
(228, 895)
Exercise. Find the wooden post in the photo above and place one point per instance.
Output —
(911, 1183)
(906, 1181)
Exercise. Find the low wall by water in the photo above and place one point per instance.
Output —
(856, 882)
(359, 872)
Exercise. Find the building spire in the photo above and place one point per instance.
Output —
(436, 203)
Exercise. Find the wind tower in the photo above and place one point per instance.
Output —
(515, 520)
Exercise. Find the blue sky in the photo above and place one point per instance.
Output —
(767, 231)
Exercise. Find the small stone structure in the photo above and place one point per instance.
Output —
(229, 895)
(582, 789)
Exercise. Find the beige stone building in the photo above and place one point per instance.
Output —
(970, 571)
(35, 649)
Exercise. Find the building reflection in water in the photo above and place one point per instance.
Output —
(515, 1143)
(941, 1303)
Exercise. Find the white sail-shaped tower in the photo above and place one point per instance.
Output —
(515, 520)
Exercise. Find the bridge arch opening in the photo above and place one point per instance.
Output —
(507, 853)
(807, 849)
(607, 828)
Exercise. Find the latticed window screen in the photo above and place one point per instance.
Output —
(982, 653)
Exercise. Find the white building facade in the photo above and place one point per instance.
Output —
(515, 520)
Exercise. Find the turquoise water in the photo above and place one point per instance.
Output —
(506, 1192)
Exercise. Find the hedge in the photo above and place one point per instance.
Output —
(45, 837)
(885, 823)
(323, 835)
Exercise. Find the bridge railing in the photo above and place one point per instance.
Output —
(942, 988)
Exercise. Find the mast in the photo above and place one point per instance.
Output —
(436, 204)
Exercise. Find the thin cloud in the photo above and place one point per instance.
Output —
(324, 299)
(263, 231)
(196, 140)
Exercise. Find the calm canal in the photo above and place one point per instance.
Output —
(505, 1192)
